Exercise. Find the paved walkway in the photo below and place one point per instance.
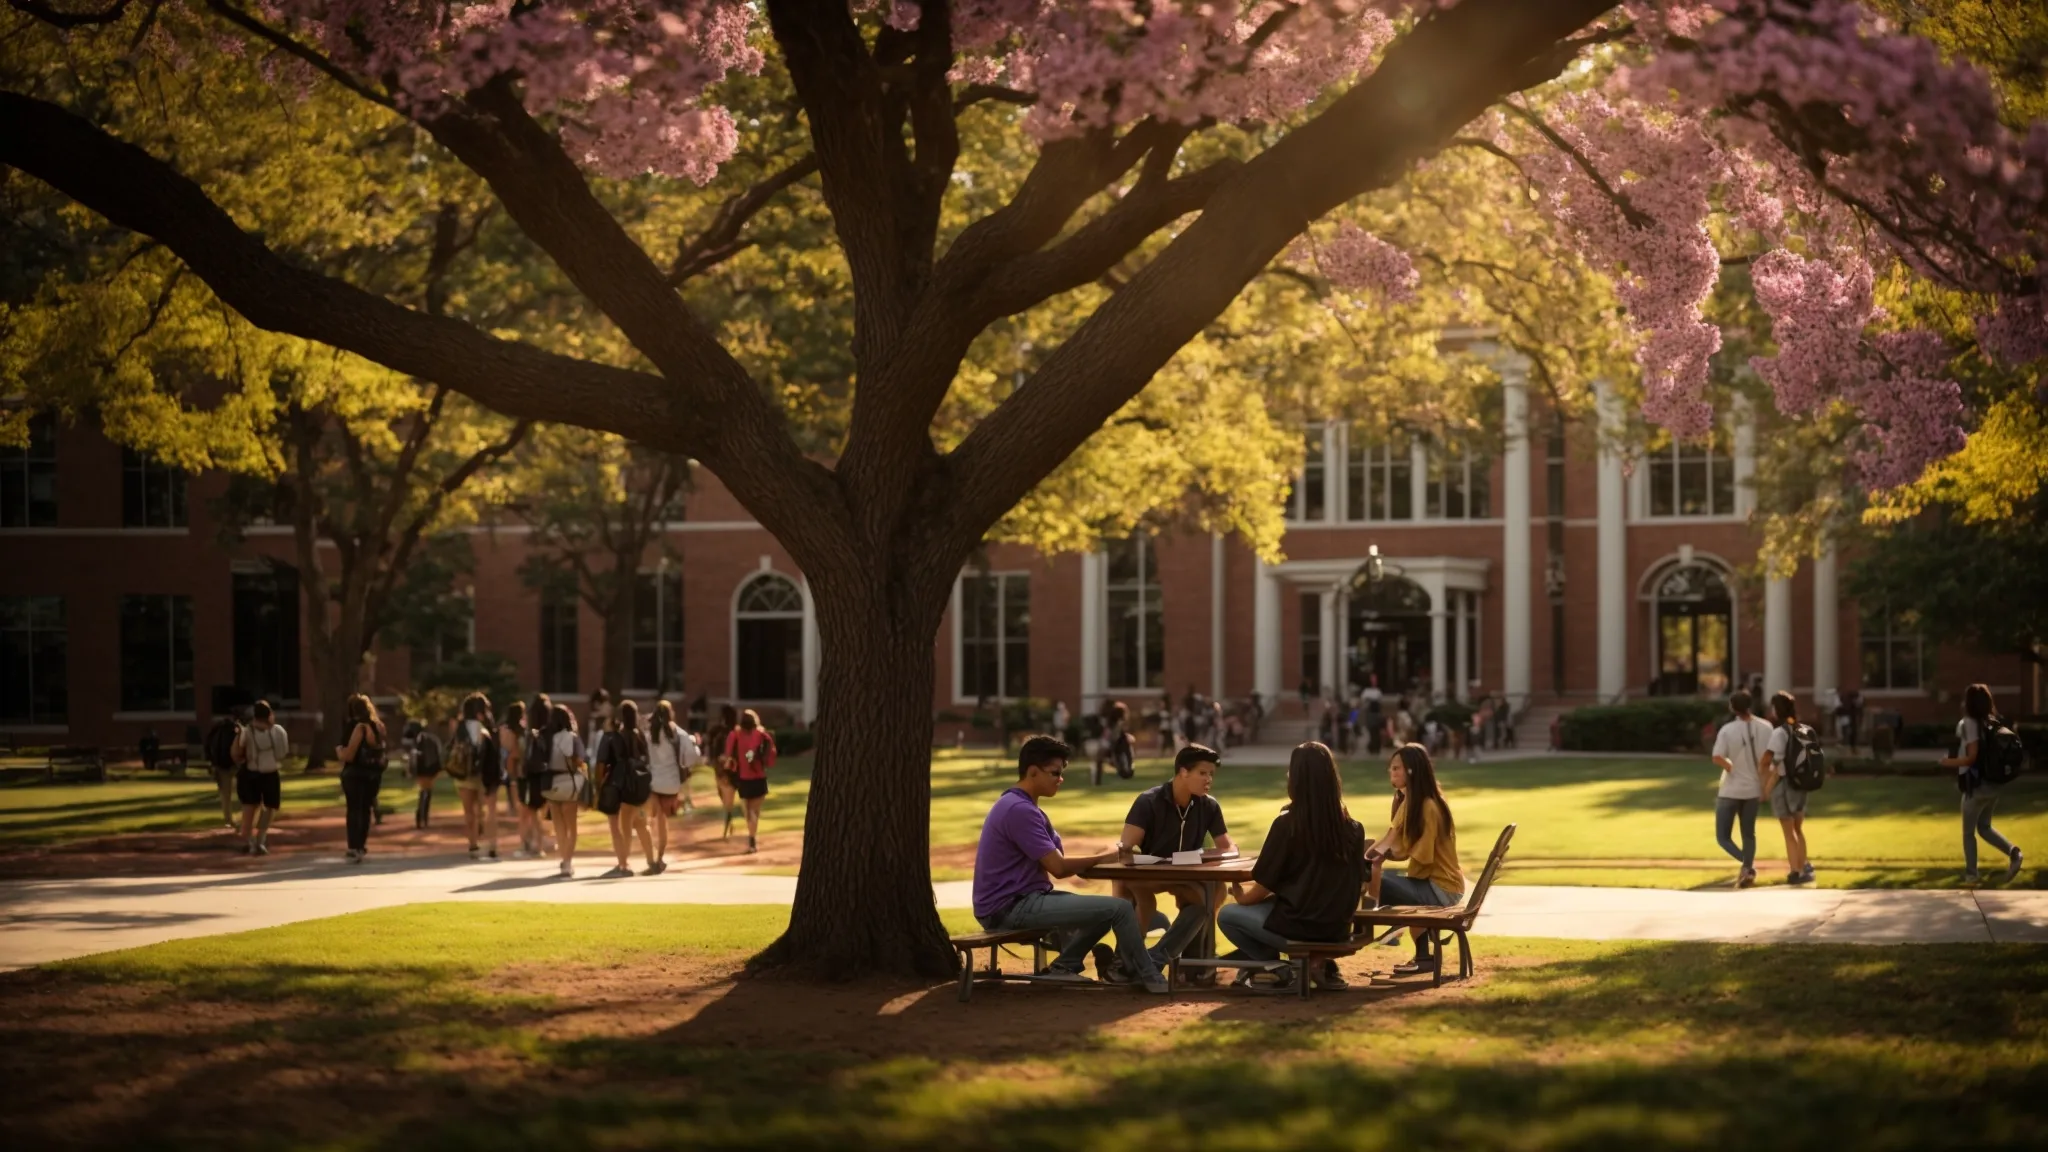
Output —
(44, 920)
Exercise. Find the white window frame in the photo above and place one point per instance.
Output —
(1892, 636)
(1146, 639)
(1640, 490)
(735, 616)
(1297, 497)
(1002, 638)
(1470, 464)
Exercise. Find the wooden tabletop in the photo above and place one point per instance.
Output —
(1208, 872)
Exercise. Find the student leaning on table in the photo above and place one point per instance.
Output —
(1019, 857)
(1177, 816)
(1306, 882)
(1424, 835)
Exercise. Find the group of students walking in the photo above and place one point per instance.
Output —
(535, 756)
(1314, 872)
(1780, 761)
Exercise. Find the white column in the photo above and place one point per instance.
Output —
(1093, 575)
(810, 706)
(1745, 457)
(1777, 634)
(1418, 479)
(1612, 535)
(1462, 605)
(1515, 573)
(1437, 668)
(1326, 609)
(1216, 615)
(1333, 474)
(1266, 634)
(1826, 620)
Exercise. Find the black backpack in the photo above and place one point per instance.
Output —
(1806, 766)
(370, 757)
(220, 743)
(2001, 757)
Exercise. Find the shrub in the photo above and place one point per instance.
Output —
(1665, 724)
(796, 741)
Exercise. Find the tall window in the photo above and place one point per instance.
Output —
(156, 654)
(558, 640)
(1688, 478)
(1312, 639)
(152, 493)
(1308, 499)
(658, 631)
(1894, 655)
(1137, 642)
(1460, 486)
(1378, 482)
(266, 610)
(33, 655)
(28, 478)
(771, 639)
(995, 636)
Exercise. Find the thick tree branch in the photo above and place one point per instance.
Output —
(721, 238)
(139, 192)
(1629, 211)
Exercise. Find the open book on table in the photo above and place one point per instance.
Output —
(1191, 856)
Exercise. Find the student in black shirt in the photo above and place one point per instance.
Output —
(1310, 873)
(1177, 816)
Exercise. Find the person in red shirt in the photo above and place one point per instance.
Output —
(751, 751)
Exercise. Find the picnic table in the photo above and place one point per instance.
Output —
(1215, 877)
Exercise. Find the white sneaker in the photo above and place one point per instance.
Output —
(524, 853)
(568, 870)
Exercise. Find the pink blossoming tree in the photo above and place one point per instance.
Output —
(1665, 142)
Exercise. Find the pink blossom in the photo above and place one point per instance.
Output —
(1360, 261)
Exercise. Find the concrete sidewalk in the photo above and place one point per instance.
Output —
(45, 920)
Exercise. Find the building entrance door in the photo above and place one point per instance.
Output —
(1388, 636)
(1695, 619)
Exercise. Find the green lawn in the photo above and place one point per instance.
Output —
(1646, 823)
(421, 1027)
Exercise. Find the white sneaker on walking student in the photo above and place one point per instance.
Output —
(568, 871)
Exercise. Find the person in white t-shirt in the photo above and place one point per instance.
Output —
(1738, 751)
(259, 754)
(1788, 804)
(1982, 798)
(671, 756)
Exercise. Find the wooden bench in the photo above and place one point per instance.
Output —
(994, 941)
(1455, 921)
(85, 761)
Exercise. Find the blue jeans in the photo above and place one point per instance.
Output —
(1091, 918)
(1187, 924)
(1977, 806)
(1726, 808)
(1409, 890)
(1244, 925)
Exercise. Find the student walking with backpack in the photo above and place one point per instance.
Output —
(423, 760)
(671, 755)
(473, 763)
(362, 769)
(626, 787)
(512, 754)
(751, 748)
(260, 752)
(1991, 757)
(567, 777)
(1793, 767)
(1738, 752)
(220, 759)
(724, 773)
(533, 771)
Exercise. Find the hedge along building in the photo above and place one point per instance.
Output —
(1540, 567)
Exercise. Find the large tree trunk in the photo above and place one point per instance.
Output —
(864, 898)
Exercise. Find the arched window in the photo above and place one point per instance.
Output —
(1694, 630)
(769, 657)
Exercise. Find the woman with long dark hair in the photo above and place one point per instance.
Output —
(362, 770)
(751, 748)
(627, 781)
(535, 740)
(476, 733)
(1308, 877)
(566, 779)
(1980, 797)
(724, 771)
(1424, 835)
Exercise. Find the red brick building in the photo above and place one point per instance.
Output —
(1552, 573)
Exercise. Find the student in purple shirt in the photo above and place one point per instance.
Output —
(1020, 856)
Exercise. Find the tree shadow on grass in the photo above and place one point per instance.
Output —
(1660, 1046)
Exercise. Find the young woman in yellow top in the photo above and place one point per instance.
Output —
(1424, 835)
